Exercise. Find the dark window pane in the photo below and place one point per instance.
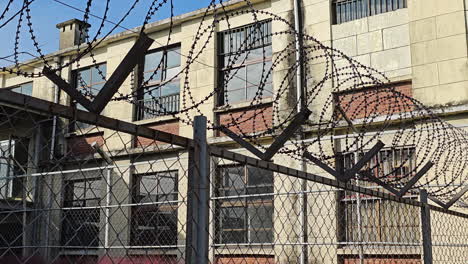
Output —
(260, 216)
(234, 237)
(234, 180)
(233, 218)
(258, 176)
(261, 236)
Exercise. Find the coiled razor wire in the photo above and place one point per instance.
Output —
(371, 101)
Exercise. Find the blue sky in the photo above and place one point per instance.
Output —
(47, 13)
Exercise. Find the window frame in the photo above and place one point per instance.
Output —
(80, 126)
(157, 207)
(366, 8)
(152, 83)
(242, 57)
(20, 87)
(15, 146)
(345, 199)
(246, 201)
(72, 238)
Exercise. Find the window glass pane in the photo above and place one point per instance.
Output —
(170, 88)
(153, 60)
(156, 76)
(254, 73)
(235, 96)
(234, 180)
(148, 185)
(258, 176)
(170, 73)
(261, 236)
(259, 53)
(260, 216)
(173, 58)
(84, 77)
(235, 79)
(234, 237)
(233, 217)
(25, 89)
(96, 77)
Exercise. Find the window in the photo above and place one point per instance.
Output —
(245, 206)
(154, 218)
(160, 95)
(13, 167)
(245, 57)
(89, 81)
(25, 88)
(381, 220)
(80, 226)
(348, 10)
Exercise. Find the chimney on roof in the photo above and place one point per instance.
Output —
(72, 32)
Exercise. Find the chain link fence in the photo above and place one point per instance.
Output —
(114, 192)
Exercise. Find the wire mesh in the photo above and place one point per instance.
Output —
(94, 195)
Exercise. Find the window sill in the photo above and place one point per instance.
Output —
(158, 119)
(242, 105)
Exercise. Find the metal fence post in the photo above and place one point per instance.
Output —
(198, 196)
(426, 228)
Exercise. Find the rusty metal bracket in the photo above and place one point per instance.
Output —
(295, 124)
(133, 57)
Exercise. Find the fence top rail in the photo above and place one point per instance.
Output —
(28, 103)
(21, 101)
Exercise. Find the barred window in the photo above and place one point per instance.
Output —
(154, 217)
(348, 10)
(244, 204)
(88, 81)
(81, 213)
(381, 220)
(244, 54)
(155, 99)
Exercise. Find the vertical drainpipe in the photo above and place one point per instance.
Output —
(301, 102)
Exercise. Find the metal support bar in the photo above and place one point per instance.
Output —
(242, 142)
(366, 158)
(415, 179)
(198, 196)
(350, 123)
(295, 124)
(456, 197)
(101, 152)
(133, 57)
(66, 87)
(28, 103)
(426, 228)
(437, 201)
(324, 166)
(280, 140)
(384, 185)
